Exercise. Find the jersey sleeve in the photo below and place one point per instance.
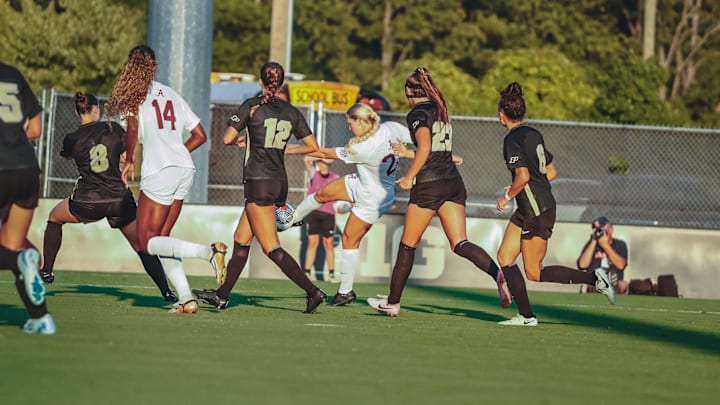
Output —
(548, 157)
(343, 154)
(191, 120)
(240, 117)
(516, 154)
(300, 125)
(398, 132)
(30, 105)
(621, 248)
(118, 130)
(417, 119)
(67, 146)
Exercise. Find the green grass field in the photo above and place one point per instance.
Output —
(116, 344)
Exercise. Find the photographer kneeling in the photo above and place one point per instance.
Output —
(604, 251)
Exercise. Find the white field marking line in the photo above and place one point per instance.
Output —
(681, 311)
(325, 325)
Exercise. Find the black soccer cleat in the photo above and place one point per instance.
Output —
(343, 299)
(313, 301)
(170, 297)
(211, 297)
(47, 277)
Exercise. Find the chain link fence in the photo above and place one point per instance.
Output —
(634, 175)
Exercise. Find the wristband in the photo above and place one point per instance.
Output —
(507, 196)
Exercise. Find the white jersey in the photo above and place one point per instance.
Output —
(162, 118)
(372, 188)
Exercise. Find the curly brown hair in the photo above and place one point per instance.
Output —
(421, 84)
(133, 83)
(512, 101)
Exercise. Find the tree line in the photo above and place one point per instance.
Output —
(577, 60)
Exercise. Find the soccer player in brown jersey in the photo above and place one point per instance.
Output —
(270, 122)
(97, 148)
(529, 228)
(436, 187)
(19, 188)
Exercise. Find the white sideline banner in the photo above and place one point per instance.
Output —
(691, 255)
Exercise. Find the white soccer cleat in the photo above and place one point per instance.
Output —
(45, 325)
(28, 261)
(519, 320)
(381, 304)
(603, 285)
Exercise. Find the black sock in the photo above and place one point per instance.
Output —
(401, 272)
(566, 275)
(51, 245)
(8, 259)
(234, 268)
(516, 285)
(292, 269)
(480, 258)
(154, 269)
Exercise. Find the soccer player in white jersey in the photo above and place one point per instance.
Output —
(371, 190)
(156, 117)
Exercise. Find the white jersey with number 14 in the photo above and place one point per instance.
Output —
(163, 117)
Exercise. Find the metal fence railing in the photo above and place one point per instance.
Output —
(635, 175)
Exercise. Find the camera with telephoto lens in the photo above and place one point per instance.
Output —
(599, 230)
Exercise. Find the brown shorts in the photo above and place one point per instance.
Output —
(433, 194)
(20, 187)
(321, 223)
(541, 225)
(265, 192)
(118, 213)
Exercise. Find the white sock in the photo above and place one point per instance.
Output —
(349, 263)
(172, 247)
(174, 271)
(305, 207)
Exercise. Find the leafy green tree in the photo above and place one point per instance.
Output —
(703, 97)
(322, 41)
(71, 45)
(458, 87)
(394, 31)
(630, 93)
(555, 86)
(241, 35)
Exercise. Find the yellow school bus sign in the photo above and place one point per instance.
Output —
(333, 95)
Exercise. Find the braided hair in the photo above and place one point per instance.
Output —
(420, 84)
(272, 75)
(364, 112)
(132, 85)
(512, 101)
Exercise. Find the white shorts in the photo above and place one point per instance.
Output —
(370, 205)
(170, 183)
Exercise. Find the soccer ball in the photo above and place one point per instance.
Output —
(284, 217)
(342, 207)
